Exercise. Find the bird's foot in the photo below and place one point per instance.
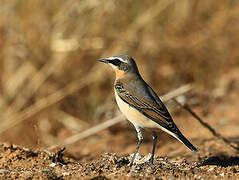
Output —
(150, 161)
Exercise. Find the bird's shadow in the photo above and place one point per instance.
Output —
(221, 160)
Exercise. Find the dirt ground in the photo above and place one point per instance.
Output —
(23, 163)
(106, 155)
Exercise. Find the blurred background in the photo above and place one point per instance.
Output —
(52, 87)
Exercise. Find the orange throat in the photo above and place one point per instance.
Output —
(119, 73)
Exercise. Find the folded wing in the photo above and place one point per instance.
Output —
(145, 100)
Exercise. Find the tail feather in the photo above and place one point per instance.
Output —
(179, 136)
(186, 143)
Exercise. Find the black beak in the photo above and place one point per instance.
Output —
(104, 60)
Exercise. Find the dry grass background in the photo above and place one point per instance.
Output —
(51, 85)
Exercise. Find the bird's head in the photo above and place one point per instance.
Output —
(122, 64)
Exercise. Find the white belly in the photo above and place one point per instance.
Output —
(134, 116)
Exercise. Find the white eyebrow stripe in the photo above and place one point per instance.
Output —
(111, 58)
(121, 59)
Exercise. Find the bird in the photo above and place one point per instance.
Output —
(140, 104)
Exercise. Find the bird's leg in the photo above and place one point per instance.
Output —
(140, 137)
(155, 136)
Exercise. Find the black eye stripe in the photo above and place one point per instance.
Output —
(116, 62)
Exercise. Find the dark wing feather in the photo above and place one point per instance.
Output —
(145, 100)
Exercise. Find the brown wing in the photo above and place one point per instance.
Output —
(146, 101)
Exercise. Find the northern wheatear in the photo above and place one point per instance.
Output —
(140, 104)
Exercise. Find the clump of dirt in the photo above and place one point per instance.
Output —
(24, 163)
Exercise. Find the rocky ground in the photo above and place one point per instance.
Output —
(23, 163)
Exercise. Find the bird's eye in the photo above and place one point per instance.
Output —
(116, 62)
